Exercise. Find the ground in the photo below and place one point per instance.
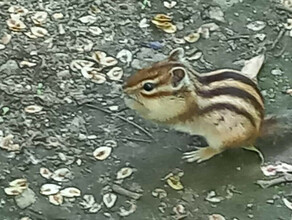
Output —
(66, 131)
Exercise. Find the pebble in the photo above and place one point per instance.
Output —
(25, 199)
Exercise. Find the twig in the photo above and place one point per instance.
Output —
(122, 191)
(137, 139)
(238, 37)
(122, 118)
(268, 183)
(280, 35)
(36, 214)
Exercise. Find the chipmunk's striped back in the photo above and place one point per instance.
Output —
(224, 106)
(229, 89)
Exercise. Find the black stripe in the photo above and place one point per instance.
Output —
(205, 80)
(235, 92)
(230, 107)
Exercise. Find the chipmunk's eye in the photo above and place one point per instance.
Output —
(148, 86)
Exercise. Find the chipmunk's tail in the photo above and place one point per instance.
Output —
(276, 125)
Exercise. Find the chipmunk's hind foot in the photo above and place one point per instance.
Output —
(201, 154)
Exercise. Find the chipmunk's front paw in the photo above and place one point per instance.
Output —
(201, 154)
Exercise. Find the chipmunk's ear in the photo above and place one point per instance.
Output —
(176, 54)
(179, 76)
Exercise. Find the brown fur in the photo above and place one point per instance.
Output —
(223, 106)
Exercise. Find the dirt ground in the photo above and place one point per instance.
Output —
(66, 131)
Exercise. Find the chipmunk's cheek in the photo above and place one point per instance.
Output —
(132, 102)
(137, 106)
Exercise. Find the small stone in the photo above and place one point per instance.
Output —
(25, 199)
(58, 16)
(270, 201)
(256, 25)
(260, 37)
(276, 72)
(217, 14)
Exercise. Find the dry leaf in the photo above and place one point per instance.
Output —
(49, 189)
(123, 212)
(94, 30)
(25, 218)
(143, 23)
(252, 67)
(165, 26)
(61, 175)
(280, 167)
(287, 3)
(98, 78)
(124, 173)
(89, 204)
(102, 58)
(21, 183)
(109, 200)
(216, 217)
(163, 22)
(125, 56)
(39, 31)
(162, 17)
(192, 38)
(94, 74)
(98, 56)
(33, 109)
(179, 209)
(256, 25)
(56, 199)
(289, 91)
(111, 143)
(26, 63)
(212, 197)
(45, 172)
(101, 153)
(88, 19)
(205, 29)
(39, 17)
(77, 65)
(179, 40)
(70, 192)
(174, 182)
(30, 35)
(8, 144)
(13, 191)
(58, 16)
(109, 61)
(169, 5)
(159, 193)
(17, 186)
(6, 38)
(17, 9)
(211, 26)
(115, 73)
(15, 24)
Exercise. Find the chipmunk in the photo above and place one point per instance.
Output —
(224, 106)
